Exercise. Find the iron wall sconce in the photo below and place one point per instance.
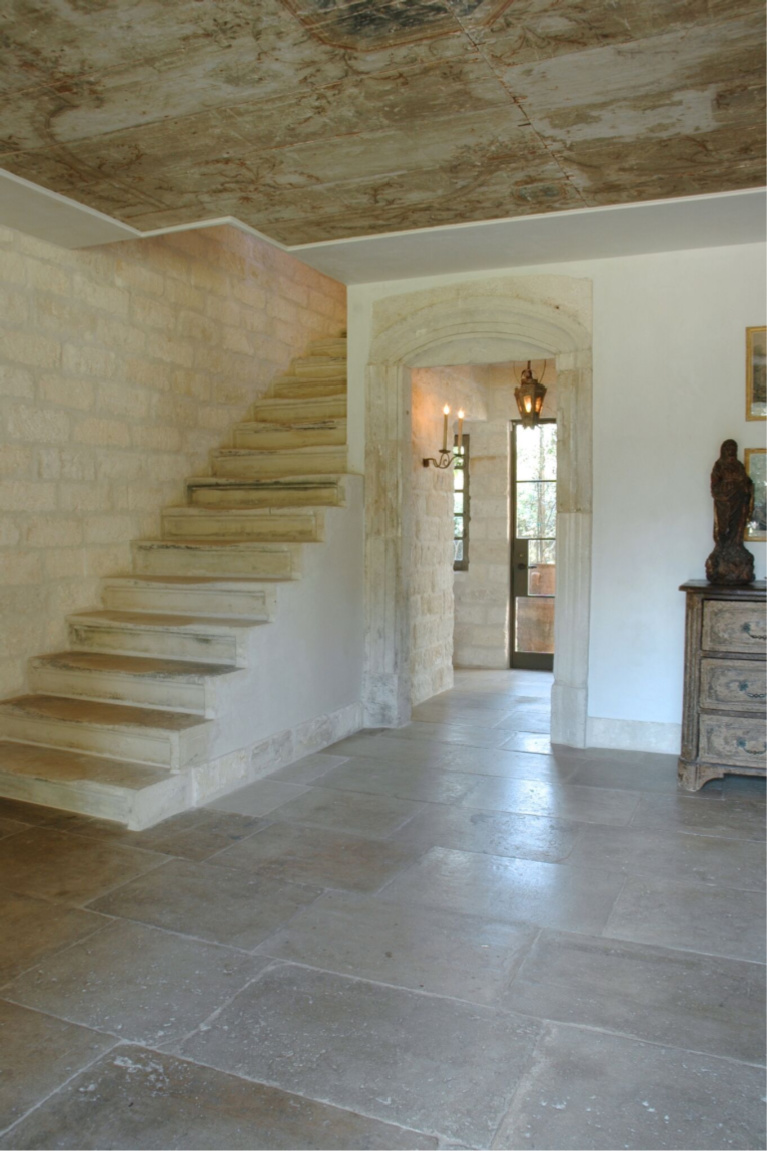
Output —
(446, 457)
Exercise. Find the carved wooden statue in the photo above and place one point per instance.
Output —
(733, 491)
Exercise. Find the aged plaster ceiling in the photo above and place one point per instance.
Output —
(319, 120)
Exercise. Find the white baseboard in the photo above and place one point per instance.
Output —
(634, 735)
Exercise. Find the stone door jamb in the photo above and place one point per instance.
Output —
(477, 322)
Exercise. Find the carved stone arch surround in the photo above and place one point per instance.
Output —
(487, 321)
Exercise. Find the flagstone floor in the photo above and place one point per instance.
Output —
(448, 935)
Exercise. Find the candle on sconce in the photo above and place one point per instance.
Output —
(461, 414)
(446, 410)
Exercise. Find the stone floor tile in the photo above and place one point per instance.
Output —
(33, 929)
(699, 1002)
(516, 890)
(652, 776)
(135, 982)
(468, 735)
(533, 716)
(745, 787)
(259, 798)
(733, 818)
(588, 1089)
(32, 813)
(308, 769)
(554, 800)
(688, 858)
(422, 948)
(416, 1060)
(68, 868)
(210, 903)
(536, 742)
(375, 816)
(402, 780)
(137, 1098)
(454, 757)
(491, 832)
(38, 1054)
(315, 856)
(695, 917)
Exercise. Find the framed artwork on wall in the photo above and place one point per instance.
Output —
(756, 373)
(756, 458)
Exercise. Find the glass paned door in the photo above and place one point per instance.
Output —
(534, 555)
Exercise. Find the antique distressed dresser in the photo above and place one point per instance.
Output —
(723, 723)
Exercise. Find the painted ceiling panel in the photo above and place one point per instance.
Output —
(318, 120)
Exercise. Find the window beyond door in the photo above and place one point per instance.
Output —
(534, 512)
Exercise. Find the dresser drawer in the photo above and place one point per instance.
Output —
(733, 740)
(733, 684)
(734, 627)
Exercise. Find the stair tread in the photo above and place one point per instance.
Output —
(94, 713)
(318, 424)
(60, 765)
(132, 665)
(164, 620)
(217, 582)
(293, 511)
(258, 545)
(319, 479)
(309, 450)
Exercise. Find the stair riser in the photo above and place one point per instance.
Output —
(319, 437)
(270, 529)
(245, 497)
(322, 368)
(255, 605)
(283, 412)
(169, 750)
(163, 644)
(213, 562)
(139, 690)
(308, 388)
(279, 464)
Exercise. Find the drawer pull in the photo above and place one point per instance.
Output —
(741, 744)
(743, 687)
(760, 635)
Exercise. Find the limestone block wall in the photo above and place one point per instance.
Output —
(432, 601)
(120, 367)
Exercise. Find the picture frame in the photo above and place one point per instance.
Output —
(756, 373)
(756, 466)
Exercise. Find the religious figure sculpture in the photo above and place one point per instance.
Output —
(733, 491)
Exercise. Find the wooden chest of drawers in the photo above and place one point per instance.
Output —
(725, 685)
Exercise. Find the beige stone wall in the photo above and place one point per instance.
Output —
(120, 367)
(482, 594)
(431, 603)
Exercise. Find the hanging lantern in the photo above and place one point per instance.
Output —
(530, 396)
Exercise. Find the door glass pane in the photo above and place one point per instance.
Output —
(536, 450)
(536, 510)
(534, 625)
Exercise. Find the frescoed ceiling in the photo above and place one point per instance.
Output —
(316, 120)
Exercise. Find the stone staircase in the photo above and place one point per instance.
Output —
(120, 725)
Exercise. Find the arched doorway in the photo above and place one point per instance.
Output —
(484, 321)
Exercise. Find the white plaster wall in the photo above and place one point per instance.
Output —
(669, 386)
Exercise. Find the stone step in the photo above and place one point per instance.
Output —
(199, 639)
(298, 434)
(169, 739)
(192, 595)
(319, 367)
(175, 685)
(334, 346)
(251, 559)
(290, 526)
(289, 411)
(295, 387)
(297, 462)
(223, 492)
(131, 793)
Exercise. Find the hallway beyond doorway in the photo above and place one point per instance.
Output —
(447, 934)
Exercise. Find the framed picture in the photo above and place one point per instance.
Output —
(756, 373)
(755, 466)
